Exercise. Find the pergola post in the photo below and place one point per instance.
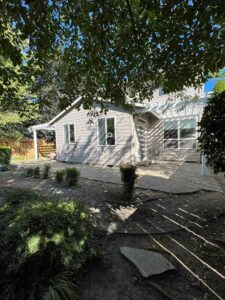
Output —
(205, 171)
(35, 144)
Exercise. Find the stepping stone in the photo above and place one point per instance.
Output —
(148, 262)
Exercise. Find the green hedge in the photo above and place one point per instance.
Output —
(5, 155)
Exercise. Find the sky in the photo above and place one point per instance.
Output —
(209, 85)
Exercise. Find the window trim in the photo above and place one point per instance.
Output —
(178, 135)
(75, 134)
(106, 117)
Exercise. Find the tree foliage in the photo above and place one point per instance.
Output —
(219, 87)
(212, 132)
(113, 49)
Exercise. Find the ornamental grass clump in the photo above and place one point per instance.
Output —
(72, 175)
(59, 175)
(128, 177)
(46, 171)
(36, 172)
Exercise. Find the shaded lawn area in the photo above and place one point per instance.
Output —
(44, 244)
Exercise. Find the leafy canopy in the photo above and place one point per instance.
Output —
(112, 49)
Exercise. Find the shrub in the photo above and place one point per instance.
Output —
(42, 242)
(4, 168)
(46, 171)
(59, 175)
(29, 172)
(37, 172)
(128, 177)
(212, 132)
(72, 175)
(5, 155)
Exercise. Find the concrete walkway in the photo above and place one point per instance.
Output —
(170, 177)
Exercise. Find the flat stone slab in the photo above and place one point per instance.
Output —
(148, 262)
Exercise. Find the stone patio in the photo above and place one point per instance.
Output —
(170, 177)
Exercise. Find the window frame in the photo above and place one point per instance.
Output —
(161, 92)
(179, 120)
(106, 127)
(75, 134)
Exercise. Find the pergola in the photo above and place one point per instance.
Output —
(35, 128)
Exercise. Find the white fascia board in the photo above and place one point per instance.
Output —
(65, 110)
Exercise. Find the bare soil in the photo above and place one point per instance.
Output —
(189, 230)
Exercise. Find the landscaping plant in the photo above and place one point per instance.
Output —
(4, 168)
(37, 172)
(59, 175)
(5, 156)
(46, 171)
(29, 172)
(44, 243)
(72, 175)
(128, 177)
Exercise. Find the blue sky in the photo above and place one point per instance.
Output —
(209, 85)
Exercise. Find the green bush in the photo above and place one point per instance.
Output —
(212, 132)
(36, 172)
(59, 175)
(29, 172)
(46, 171)
(4, 168)
(128, 177)
(42, 241)
(72, 175)
(5, 155)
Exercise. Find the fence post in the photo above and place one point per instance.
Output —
(35, 144)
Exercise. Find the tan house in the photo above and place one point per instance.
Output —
(165, 128)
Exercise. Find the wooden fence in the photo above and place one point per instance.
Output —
(25, 148)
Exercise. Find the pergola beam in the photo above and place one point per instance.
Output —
(34, 128)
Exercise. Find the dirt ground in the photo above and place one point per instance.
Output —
(187, 229)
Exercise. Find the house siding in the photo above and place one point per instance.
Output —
(86, 149)
(127, 148)
(155, 133)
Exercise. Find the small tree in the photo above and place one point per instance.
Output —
(128, 177)
(212, 132)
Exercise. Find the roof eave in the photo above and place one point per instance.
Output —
(75, 102)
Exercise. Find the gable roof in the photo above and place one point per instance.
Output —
(75, 102)
(63, 112)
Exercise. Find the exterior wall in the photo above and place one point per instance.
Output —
(86, 148)
(155, 134)
(190, 91)
(157, 152)
(127, 148)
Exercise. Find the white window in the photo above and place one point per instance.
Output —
(106, 131)
(69, 134)
(161, 91)
(180, 134)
